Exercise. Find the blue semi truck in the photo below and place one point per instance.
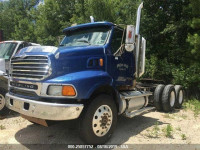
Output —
(91, 76)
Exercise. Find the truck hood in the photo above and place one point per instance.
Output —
(65, 60)
(63, 51)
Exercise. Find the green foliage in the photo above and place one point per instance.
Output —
(164, 71)
(2, 127)
(183, 137)
(51, 19)
(193, 105)
(15, 19)
(187, 76)
(156, 129)
(154, 133)
(168, 131)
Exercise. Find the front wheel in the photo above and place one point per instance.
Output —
(99, 120)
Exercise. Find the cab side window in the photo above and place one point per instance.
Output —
(116, 39)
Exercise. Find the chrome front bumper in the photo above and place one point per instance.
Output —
(43, 110)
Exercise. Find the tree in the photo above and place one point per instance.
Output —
(16, 20)
(51, 19)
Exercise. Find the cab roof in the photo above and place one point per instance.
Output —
(88, 25)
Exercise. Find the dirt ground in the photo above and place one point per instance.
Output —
(179, 127)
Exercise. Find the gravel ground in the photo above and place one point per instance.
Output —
(179, 127)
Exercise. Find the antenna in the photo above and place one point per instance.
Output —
(92, 19)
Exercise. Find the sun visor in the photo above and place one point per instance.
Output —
(38, 49)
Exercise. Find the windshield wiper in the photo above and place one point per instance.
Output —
(85, 41)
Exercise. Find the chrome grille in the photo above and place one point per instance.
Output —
(30, 67)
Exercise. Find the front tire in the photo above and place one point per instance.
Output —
(99, 120)
(168, 98)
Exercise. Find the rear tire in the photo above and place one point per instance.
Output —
(3, 109)
(179, 96)
(99, 120)
(158, 97)
(168, 98)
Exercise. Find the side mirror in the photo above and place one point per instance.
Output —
(130, 38)
(2, 67)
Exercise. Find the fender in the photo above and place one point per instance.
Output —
(85, 82)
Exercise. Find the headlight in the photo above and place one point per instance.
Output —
(55, 90)
(58, 90)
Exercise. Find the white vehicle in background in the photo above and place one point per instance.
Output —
(7, 50)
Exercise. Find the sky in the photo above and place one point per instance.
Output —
(40, 2)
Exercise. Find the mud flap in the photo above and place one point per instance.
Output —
(36, 120)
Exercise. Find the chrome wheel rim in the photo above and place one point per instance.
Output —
(2, 102)
(172, 98)
(180, 98)
(102, 120)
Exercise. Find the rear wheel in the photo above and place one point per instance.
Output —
(3, 108)
(168, 98)
(99, 120)
(179, 96)
(158, 97)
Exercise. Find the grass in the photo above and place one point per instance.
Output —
(154, 133)
(2, 127)
(183, 137)
(168, 131)
(169, 116)
(183, 116)
(178, 128)
(193, 105)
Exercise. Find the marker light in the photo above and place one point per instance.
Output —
(101, 62)
(68, 90)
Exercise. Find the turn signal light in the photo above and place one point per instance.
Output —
(101, 62)
(68, 90)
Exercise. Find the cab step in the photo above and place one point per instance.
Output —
(137, 112)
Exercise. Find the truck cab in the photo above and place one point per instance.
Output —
(90, 76)
(90, 66)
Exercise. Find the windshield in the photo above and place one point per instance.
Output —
(92, 36)
(7, 49)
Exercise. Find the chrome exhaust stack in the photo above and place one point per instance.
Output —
(138, 18)
(140, 49)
